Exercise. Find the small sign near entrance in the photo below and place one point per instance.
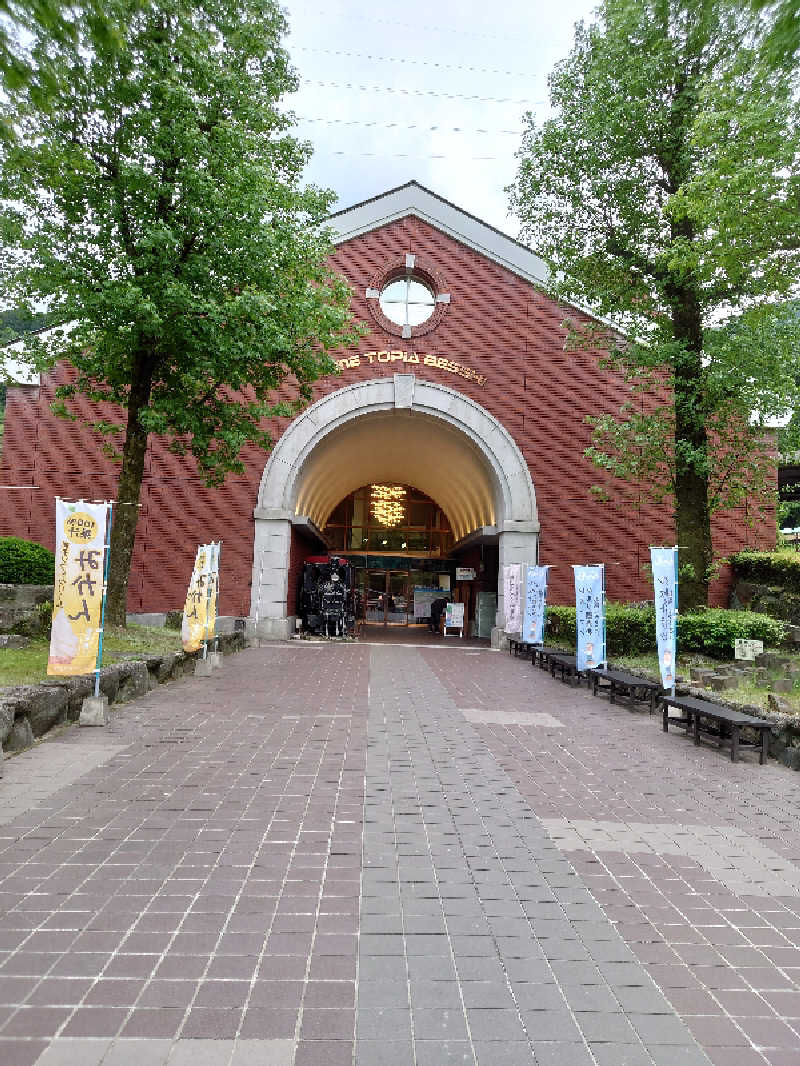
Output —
(748, 649)
(465, 573)
(454, 617)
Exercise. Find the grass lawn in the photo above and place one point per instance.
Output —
(26, 666)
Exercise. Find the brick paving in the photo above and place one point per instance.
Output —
(394, 856)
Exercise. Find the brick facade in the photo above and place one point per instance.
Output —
(496, 324)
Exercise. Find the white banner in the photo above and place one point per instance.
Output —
(590, 616)
(78, 591)
(512, 597)
(454, 616)
(535, 598)
(664, 564)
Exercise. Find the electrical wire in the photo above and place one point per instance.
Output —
(401, 126)
(423, 92)
(414, 62)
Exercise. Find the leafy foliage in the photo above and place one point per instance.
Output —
(780, 568)
(714, 630)
(156, 203)
(668, 117)
(629, 630)
(23, 562)
(632, 630)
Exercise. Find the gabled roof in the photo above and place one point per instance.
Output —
(414, 199)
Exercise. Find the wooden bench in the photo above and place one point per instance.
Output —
(699, 715)
(540, 655)
(516, 646)
(564, 664)
(621, 683)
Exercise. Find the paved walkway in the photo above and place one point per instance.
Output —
(394, 856)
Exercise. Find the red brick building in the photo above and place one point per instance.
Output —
(461, 394)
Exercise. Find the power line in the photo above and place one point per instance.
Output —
(401, 126)
(419, 27)
(409, 155)
(423, 92)
(414, 62)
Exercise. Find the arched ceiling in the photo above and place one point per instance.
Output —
(405, 448)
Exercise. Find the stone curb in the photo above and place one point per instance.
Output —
(29, 711)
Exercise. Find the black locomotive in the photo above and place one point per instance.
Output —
(326, 603)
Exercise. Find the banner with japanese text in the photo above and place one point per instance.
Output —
(664, 564)
(213, 587)
(535, 598)
(512, 597)
(195, 611)
(78, 589)
(590, 621)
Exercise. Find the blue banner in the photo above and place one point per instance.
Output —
(664, 563)
(535, 597)
(590, 616)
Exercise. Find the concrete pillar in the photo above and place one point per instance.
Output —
(269, 598)
(518, 543)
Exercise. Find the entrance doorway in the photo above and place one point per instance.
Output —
(384, 595)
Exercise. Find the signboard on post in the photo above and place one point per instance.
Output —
(78, 594)
(664, 564)
(465, 573)
(590, 616)
(512, 597)
(747, 649)
(535, 598)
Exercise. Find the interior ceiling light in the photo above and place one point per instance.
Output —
(386, 504)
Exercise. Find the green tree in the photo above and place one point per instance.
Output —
(664, 195)
(156, 203)
(783, 41)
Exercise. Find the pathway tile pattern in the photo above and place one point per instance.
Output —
(381, 855)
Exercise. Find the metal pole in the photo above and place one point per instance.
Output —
(209, 572)
(110, 507)
(675, 620)
(216, 597)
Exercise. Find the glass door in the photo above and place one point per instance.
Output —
(396, 598)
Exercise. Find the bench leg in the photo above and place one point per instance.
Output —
(734, 742)
(696, 729)
(652, 701)
(762, 758)
(665, 720)
(612, 695)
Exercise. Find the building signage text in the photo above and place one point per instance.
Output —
(421, 358)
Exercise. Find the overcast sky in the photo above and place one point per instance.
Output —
(432, 92)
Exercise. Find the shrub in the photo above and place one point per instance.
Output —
(23, 562)
(629, 630)
(769, 568)
(713, 630)
(632, 630)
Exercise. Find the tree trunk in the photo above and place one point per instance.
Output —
(692, 513)
(126, 511)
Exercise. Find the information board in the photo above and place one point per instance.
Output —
(423, 598)
(454, 616)
(747, 649)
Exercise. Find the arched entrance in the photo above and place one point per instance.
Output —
(400, 429)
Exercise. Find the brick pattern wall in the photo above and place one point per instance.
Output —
(495, 324)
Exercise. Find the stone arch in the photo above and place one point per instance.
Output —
(400, 428)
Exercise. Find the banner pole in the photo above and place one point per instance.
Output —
(216, 597)
(107, 546)
(675, 621)
(208, 597)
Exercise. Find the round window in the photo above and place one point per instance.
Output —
(407, 301)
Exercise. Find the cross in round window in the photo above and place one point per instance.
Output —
(407, 301)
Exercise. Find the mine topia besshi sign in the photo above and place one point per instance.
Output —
(413, 358)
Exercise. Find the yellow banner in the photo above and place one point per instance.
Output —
(78, 593)
(193, 629)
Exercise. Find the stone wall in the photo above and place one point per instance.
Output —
(773, 600)
(29, 711)
(17, 602)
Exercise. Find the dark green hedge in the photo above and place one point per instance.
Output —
(22, 562)
(629, 630)
(632, 630)
(769, 568)
(714, 630)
